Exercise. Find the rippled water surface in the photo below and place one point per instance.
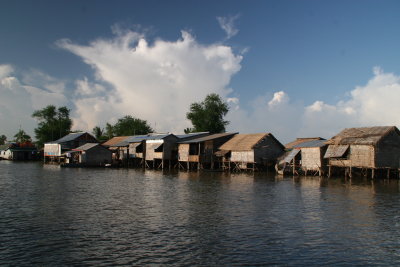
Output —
(91, 217)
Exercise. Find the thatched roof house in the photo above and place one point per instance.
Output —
(244, 149)
(365, 147)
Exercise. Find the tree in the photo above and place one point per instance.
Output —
(98, 132)
(109, 131)
(3, 139)
(53, 123)
(22, 137)
(208, 116)
(129, 125)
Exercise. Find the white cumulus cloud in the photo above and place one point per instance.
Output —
(18, 100)
(156, 82)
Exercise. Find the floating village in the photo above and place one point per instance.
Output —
(367, 151)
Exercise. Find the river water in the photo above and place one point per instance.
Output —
(52, 216)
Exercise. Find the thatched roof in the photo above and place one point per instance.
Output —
(299, 141)
(246, 142)
(361, 136)
(115, 140)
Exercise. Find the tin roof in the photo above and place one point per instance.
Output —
(86, 146)
(299, 141)
(207, 138)
(336, 151)
(69, 137)
(289, 156)
(362, 135)
(115, 140)
(313, 143)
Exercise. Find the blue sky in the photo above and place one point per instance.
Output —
(293, 68)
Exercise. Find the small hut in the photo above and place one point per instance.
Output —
(17, 151)
(304, 155)
(199, 152)
(118, 148)
(247, 151)
(54, 150)
(363, 149)
(90, 154)
(160, 149)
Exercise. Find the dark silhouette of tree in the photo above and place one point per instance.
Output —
(53, 123)
(208, 116)
(3, 139)
(22, 137)
(129, 125)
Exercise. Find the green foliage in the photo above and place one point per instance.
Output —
(97, 131)
(208, 116)
(22, 137)
(53, 123)
(3, 139)
(109, 131)
(99, 134)
(129, 125)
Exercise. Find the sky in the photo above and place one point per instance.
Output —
(292, 68)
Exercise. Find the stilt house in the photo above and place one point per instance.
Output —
(54, 150)
(199, 152)
(365, 148)
(15, 151)
(246, 151)
(306, 156)
(160, 149)
(118, 148)
(90, 154)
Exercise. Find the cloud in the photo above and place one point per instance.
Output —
(19, 100)
(228, 25)
(156, 82)
(373, 104)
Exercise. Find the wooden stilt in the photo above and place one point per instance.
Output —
(373, 173)
(388, 173)
(329, 171)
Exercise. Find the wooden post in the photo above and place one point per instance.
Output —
(350, 174)
(294, 166)
(388, 173)
(373, 174)
(329, 171)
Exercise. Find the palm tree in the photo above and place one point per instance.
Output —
(22, 137)
(98, 132)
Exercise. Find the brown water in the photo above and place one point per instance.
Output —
(92, 217)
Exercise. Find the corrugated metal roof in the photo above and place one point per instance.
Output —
(69, 137)
(86, 146)
(299, 141)
(336, 151)
(313, 143)
(191, 135)
(245, 142)
(289, 156)
(362, 135)
(207, 138)
(115, 140)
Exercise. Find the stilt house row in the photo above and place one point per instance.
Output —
(249, 151)
(365, 148)
(199, 152)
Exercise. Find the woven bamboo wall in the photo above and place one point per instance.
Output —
(183, 152)
(311, 158)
